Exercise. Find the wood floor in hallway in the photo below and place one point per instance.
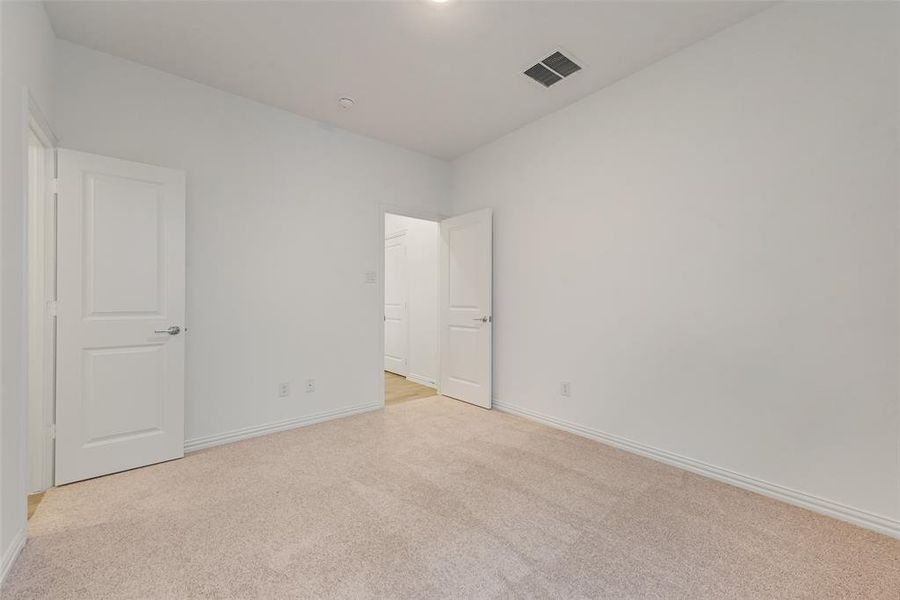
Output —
(33, 501)
(400, 389)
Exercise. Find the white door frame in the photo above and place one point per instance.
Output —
(415, 213)
(40, 294)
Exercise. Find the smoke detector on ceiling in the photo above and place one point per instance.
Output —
(552, 69)
(346, 102)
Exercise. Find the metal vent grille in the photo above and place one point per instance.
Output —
(561, 63)
(552, 69)
(542, 75)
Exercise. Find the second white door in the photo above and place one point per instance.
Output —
(396, 301)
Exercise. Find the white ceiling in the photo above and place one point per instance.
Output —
(438, 78)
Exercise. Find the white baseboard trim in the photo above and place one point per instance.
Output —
(829, 508)
(421, 380)
(237, 435)
(12, 553)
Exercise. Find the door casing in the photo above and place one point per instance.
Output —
(40, 317)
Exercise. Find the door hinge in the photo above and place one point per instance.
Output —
(53, 431)
(51, 308)
(54, 186)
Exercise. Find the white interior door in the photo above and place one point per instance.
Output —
(396, 317)
(120, 359)
(466, 321)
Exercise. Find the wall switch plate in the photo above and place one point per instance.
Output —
(284, 389)
(371, 277)
(565, 389)
(310, 385)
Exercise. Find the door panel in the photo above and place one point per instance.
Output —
(396, 290)
(120, 382)
(123, 213)
(466, 320)
(109, 371)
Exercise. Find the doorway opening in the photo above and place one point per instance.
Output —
(437, 276)
(40, 202)
(411, 318)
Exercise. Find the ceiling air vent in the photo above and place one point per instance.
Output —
(552, 69)
(542, 75)
(561, 63)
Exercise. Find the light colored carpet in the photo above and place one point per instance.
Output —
(435, 499)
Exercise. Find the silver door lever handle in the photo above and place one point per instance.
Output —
(173, 330)
(482, 319)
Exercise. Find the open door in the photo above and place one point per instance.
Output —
(466, 321)
(120, 343)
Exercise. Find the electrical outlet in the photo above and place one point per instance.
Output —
(565, 389)
(284, 389)
(310, 385)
